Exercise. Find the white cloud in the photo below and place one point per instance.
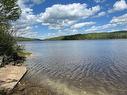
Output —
(62, 32)
(55, 17)
(27, 13)
(23, 25)
(27, 18)
(100, 14)
(99, 1)
(32, 1)
(67, 19)
(26, 32)
(80, 25)
(118, 6)
(117, 23)
(120, 19)
(37, 1)
(60, 16)
(101, 28)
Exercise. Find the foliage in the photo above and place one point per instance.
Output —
(92, 36)
(9, 11)
(7, 43)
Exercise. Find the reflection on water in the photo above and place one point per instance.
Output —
(79, 67)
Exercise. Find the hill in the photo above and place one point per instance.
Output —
(92, 36)
(27, 39)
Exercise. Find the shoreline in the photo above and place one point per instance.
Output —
(10, 76)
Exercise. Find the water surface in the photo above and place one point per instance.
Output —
(89, 67)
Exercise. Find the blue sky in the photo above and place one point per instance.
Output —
(50, 18)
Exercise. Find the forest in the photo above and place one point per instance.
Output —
(93, 36)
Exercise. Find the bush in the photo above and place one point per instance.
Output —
(9, 49)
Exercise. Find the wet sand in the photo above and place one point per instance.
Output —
(25, 87)
(10, 76)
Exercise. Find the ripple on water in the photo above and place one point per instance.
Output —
(81, 67)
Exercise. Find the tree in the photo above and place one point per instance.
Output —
(9, 11)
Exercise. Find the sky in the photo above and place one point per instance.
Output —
(51, 18)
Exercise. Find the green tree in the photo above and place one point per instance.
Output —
(9, 12)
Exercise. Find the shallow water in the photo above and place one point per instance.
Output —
(90, 67)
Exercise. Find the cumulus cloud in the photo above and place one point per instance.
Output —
(27, 13)
(55, 17)
(100, 14)
(120, 19)
(101, 28)
(109, 27)
(27, 17)
(118, 6)
(60, 16)
(23, 25)
(80, 25)
(115, 23)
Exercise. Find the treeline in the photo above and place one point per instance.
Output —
(26, 39)
(93, 36)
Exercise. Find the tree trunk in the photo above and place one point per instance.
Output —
(3, 61)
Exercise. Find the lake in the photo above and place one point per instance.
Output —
(85, 67)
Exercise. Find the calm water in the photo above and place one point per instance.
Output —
(93, 67)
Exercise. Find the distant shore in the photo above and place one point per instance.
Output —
(93, 36)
